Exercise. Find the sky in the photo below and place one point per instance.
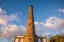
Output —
(48, 17)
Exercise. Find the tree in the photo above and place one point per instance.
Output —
(57, 38)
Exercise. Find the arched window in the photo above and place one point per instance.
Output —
(30, 23)
(30, 39)
(30, 17)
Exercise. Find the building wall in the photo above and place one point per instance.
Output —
(20, 39)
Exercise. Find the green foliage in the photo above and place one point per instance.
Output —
(57, 38)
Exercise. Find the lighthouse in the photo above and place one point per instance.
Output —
(30, 35)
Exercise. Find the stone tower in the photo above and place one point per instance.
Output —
(30, 30)
(30, 35)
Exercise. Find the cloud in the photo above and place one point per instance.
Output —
(61, 10)
(10, 30)
(18, 13)
(2, 11)
(48, 35)
(38, 27)
(63, 31)
(4, 18)
(54, 23)
(36, 23)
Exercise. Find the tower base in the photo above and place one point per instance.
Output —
(30, 38)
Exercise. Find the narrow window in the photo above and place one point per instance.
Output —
(30, 39)
(30, 23)
(30, 17)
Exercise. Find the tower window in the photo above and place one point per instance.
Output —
(30, 23)
(30, 39)
(30, 17)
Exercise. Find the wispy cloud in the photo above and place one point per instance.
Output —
(4, 18)
(61, 10)
(2, 11)
(12, 30)
(54, 23)
(39, 27)
(62, 31)
(48, 35)
(9, 30)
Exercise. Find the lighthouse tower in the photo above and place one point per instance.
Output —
(30, 29)
(30, 35)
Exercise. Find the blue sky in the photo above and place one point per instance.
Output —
(48, 17)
